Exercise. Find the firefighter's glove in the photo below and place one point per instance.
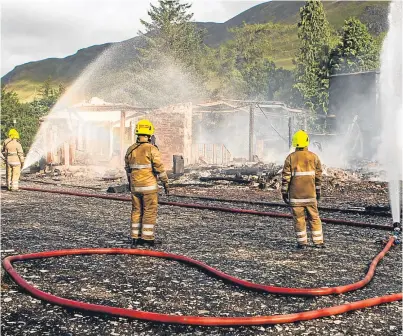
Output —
(166, 188)
(286, 199)
(318, 195)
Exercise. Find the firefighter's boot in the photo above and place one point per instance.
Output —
(136, 242)
(150, 242)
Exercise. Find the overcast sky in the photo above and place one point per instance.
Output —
(32, 30)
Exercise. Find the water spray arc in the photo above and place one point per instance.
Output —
(390, 151)
(42, 143)
(115, 76)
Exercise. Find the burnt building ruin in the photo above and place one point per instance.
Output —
(354, 111)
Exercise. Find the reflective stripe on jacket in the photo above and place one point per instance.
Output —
(143, 161)
(12, 151)
(301, 177)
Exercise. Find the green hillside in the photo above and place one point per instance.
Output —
(25, 79)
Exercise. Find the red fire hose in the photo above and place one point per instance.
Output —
(215, 208)
(197, 320)
(384, 212)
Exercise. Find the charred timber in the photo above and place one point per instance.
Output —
(223, 178)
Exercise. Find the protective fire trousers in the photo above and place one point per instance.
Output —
(312, 213)
(13, 172)
(144, 215)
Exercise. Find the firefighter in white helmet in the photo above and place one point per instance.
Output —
(14, 157)
(143, 165)
(301, 183)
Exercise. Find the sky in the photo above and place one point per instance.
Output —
(32, 30)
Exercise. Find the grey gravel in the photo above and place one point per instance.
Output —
(259, 249)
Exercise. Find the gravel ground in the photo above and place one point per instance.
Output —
(259, 249)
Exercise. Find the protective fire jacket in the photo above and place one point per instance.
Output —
(143, 164)
(12, 151)
(301, 177)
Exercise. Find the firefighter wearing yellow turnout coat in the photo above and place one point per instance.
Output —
(143, 166)
(301, 183)
(14, 157)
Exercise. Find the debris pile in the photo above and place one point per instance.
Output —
(263, 176)
(336, 177)
(246, 176)
(251, 174)
(85, 176)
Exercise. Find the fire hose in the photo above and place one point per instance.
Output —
(211, 321)
(199, 320)
(370, 210)
(214, 208)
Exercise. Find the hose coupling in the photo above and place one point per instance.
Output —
(397, 233)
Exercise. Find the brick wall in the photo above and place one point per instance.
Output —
(173, 130)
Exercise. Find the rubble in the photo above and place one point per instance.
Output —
(246, 176)
(340, 175)
(118, 189)
(252, 174)
(266, 176)
(91, 177)
(224, 178)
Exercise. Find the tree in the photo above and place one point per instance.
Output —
(14, 114)
(172, 33)
(223, 79)
(356, 51)
(254, 52)
(46, 89)
(25, 116)
(167, 68)
(311, 77)
(243, 67)
(280, 85)
(10, 110)
(48, 97)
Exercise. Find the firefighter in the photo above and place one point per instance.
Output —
(301, 183)
(14, 157)
(143, 165)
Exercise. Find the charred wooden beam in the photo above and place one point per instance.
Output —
(223, 178)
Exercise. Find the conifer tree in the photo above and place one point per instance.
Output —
(171, 32)
(356, 51)
(312, 81)
(168, 67)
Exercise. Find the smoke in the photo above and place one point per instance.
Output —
(231, 128)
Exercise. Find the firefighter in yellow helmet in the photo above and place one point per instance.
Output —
(14, 157)
(301, 183)
(143, 164)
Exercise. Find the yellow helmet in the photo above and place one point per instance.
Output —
(144, 127)
(13, 134)
(300, 139)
